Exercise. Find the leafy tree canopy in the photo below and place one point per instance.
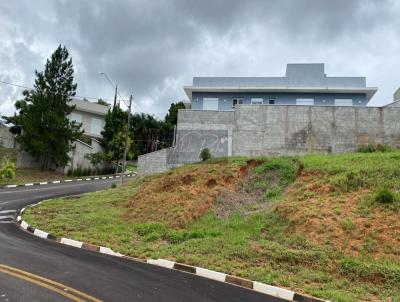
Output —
(42, 115)
(172, 115)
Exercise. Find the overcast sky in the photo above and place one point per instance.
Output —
(153, 48)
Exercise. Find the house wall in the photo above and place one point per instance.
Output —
(396, 95)
(254, 130)
(7, 139)
(226, 99)
(25, 160)
(86, 120)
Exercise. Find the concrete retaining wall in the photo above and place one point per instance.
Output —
(154, 162)
(278, 130)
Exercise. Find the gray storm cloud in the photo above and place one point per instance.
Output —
(152, 48)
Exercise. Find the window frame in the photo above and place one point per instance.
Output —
(211, 99)
(350, 104)
(92, 128)
(238, 100)
(256, 101)
(305, 100)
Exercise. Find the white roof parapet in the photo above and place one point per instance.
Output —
(369, 91)
(90, 107)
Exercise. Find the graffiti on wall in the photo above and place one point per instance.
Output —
(191, 142)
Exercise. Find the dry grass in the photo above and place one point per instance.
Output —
(348, 221)
(185, 194)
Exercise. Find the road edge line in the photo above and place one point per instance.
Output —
(53, 182)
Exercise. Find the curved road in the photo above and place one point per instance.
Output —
(33, 269)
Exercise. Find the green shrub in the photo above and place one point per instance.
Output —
(153, 236)
(175, 236)
(144, 229)
(349, 181)
(78, 171)
(7, 170)
(375, 272)
(375, 148)
(113, 185)
(205, 154)
(384, 195)
(348, 225)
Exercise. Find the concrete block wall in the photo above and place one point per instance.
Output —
(253, 130)
(154, 162)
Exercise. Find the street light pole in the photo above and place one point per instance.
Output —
(126, 140)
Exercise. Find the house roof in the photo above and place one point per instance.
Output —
(393, 104)
(298, 78)
(369, 91)
(90, 107)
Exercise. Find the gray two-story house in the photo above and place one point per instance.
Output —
(303, 112)
(303, 84)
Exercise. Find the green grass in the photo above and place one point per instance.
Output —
(261, 246)
(8, 153)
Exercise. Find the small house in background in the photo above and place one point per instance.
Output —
(303, 84)
(92, 117)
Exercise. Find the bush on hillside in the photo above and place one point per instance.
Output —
(349, 181)
(205, 154)
(384, 195)
(7, 170)
(375, 148)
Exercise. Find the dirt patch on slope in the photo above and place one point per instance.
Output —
(346, 220)
(180, 196)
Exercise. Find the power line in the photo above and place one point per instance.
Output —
(75, 96)
(137, 107)
(114, 86)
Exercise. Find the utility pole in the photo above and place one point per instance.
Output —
(115, 96)
(174, 139)
(126, 140)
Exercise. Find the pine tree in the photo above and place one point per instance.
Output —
(113, 135)
(45, 130)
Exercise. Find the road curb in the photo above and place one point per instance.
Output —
(259, 287)
(53, 182)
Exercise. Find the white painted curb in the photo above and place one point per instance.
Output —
(206, 273)
(40, 234)
(162, 262)
(24, 225)
(71, 242)
(273, 291)
(108, 251)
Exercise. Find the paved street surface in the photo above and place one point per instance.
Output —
(33, 269)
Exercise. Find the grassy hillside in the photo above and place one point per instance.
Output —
(326, 225)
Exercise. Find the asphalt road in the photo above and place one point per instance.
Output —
(33, 269)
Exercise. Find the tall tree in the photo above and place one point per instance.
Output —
(42, 120)
(172, 115)
(113, 135)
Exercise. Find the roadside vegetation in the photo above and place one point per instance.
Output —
(326, 225)
(10, 175)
